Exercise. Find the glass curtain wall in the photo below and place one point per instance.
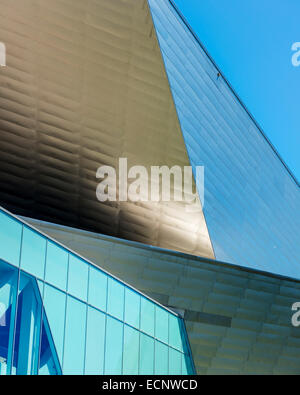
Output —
(59, 314)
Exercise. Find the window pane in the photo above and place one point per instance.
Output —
(132, 308)
(161, 358)
(147, 316)
(33, 253)
(174, 361)
(175, 332)
(115, 302)
(95, 342)
(78, 278)
(146, 355)
(113, 347)
(8, 293)
(131, 351)
(187, 368)
(162, 325)
(75, 337)
(49, 364)
(56, 266)
(55, 310)
(10, 239)
(27, 331)
(97, 289)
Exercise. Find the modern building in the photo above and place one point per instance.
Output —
(89, 287)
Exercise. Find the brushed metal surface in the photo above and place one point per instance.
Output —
(84, 85)
(252, 203)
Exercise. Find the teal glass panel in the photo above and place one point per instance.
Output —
(132, 308)
(95, 342)
(74, 337)
(49, 364)
(146, 354)
(161, 358)
(113, 346)
(10, 239)
(175, 339)
(147, 316)
(27, 332)
(131, 351)
(115, 301)
(97, 288)
(161, 324)
(8, 290)
(174, 361)
(56, 266)
(55, 310)
(78, 277)
(41, 287)
(187, 368)
(33, 253)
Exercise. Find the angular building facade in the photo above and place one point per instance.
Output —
(87, 83)
(62, 315)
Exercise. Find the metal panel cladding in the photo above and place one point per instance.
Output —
(252, 202)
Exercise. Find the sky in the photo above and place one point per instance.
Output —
(251, 42)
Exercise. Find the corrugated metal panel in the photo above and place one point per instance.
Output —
(84, 85)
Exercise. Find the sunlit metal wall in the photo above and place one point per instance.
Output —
(85, 85)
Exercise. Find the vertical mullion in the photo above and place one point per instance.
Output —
(13, 320)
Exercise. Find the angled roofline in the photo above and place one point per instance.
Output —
(172, 3)
(34, 223)
(23, 221)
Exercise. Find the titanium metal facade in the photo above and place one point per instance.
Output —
(88, 82)
(85, 85)
(252, 203)
(59, 314)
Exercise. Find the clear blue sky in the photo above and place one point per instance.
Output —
(250, 41)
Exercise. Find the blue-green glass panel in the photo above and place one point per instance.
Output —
(147, 316)
(97, 288)
(131, 351)
(115, 301)
(74, 349)
(10, 239)
(161, 358)
(175, 339)
(48, 361)
(33, 253)
(132, 308)
(78, 277)
(114, 346)
(95, 342)
(174, 361)
(8, 290)
(27, 330)
(40, 284)
(55, 310)
(187, 368)
(146, 355)
(162, 324)
(56, 266)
